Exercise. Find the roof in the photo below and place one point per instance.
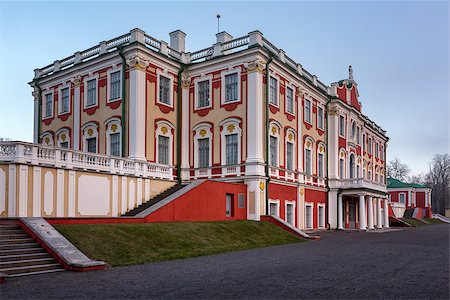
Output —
(393, 183)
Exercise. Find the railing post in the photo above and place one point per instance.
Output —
(217, 47)
(186, 57)
(255, 38)
(19, 157)
(78, 58)
(164, 48)
(102, 47)
(121, 167)
(57, 159)
(56, 66)
(137, 35)
(69, 160)
(34, 155)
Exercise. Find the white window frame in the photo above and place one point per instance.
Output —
(199, 134)
(311, 205)
(358, 135)
(230, 126)
(277, 93)
(277, 203)
(404, 194)
(114, 69)
(85, 92)
(286, 203)
(59, 137)
(377, 150)
(48, 135)
(308, 99)
(164, 128)
(44, 103)
(62, 87)
(169, 76)
(292, 88)
(223, 85)
(341, 127)
(320, 107)
(369, 145)
(85, 131)
(343, 156)
(196, 90)
(323, 153)
(109, 123)
(293, 142)
(319, 206)
(364, 145)
(311, 148)
(277, 136)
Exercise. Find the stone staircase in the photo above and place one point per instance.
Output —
(20, 255)
(153, 200)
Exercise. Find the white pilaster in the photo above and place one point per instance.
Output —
(300, 94)
(386, 213)
(60, 193)
(333, 144)
(71, 194)
(340, 212)
(370, 212)
(23, 190)
(36, 116)
(255, 196)
(137, 108)
(362, 213)
(379, 221)
(123, 198)
(301, 208)
(185, 83)
(37, 191)
(255, 141)
(115, 196)
(76, 112)
(139, 191)
(12, 191)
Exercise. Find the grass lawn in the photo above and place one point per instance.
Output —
(434, 221)
(128, 244)
(414, 222)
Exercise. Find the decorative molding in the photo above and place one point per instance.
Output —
(185, 82)
(254, 66)
(333, 111)
(137, 62)
(300, 92)
(76, 81)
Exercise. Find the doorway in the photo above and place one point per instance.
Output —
(352, 214)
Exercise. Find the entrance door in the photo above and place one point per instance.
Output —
(352, 214)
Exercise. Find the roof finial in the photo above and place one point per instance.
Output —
(218, 23)
(350, 73)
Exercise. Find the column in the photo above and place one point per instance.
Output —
(362, 213)
(185, 83)
(137, 100)
(36, 120)
(256, 128)
(370, 212)
(76, 81)
(340, 212)
(379, 221)
(386, 213)
(255, 199)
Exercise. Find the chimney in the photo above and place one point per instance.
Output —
(177, 40)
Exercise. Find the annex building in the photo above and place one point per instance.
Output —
(237, 130)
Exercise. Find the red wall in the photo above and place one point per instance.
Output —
(317, 197)
(205, 202)
(420, 199)
(283, 193)
(394, 196)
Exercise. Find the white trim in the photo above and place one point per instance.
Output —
(323, 116)
(198, 135)
(113, 69)
(308, 99)
(319, 206)
(277, 136)
(59, 137)
(292, 88)
(109, 123)
(277, 203)
(50, 139)
(277, 94)
(44, 104)
(85, 90)
(343, 126)
(230, 71)
(85, 131)
(196, 82)
(311, 205)
(159, 132)
(311, 165)
(229, 131)
(164, 74)
(286, 203)
(62, 87)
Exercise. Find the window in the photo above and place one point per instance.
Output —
(203, 153)
(382, 152)
(308, 216)
(64, 145)
(273, 88)
(273, 209)
(290, 214)
(231, 149)
(357, 171)
(341, 168)
(321, 216)
(358, 138)
(114, 85)
(377, 150)
(308, 111)
(353, 130)
(91, 145)
(364, 142)
(290, 100)
(241, 200)
(402, 198)
(320, 118)
(369, 146)
(273, 151)
(229, 205)
(203, 94)
(289, 156)
(352, 166)
(320, 165)
(65, 100)
(231, 87)
(114, 144)
(48, 105)
(164, 90)
(341, 126)
(369, 173)
(91, 92)
(308, 162)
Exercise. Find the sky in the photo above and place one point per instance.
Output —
(399, 52)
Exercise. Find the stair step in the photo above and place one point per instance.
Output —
(18, 235)
(19, 246)
(26, 262)
(22, 251)
(9, 227)
(4, 242)
(21, 256)
(11, 231)
(34, 268)
(37, 272)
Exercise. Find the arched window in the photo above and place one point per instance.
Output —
(342, 155)
(358, 168)
(230, 136)
(353, 130)
(63, 138)
(352, 165)
(274, 145)
(114, 137)
(47, 138)
(202, 149)
(308, 157)
(369, 172)
(90, 137)
(376, 173)
(321, 160)
(290, 149)
(164, 142)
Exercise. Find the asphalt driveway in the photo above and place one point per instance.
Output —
(408, 263)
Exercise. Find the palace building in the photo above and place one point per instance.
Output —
(119, 123)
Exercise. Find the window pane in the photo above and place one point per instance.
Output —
(289, 214)
(163, 150)
(308, 161)
(290, 100)
(358, 139)
(290, 156)
(65, 100)
(320, 118)
(203, 153)
(231, 87)
(273, 209)
(64, 145)
(341, 125)
(320, 164)
(48, 105)
(203, 93)
(164, 90)
(308, 216)
(273, 91)
(308, 111)
(115, 85)
(341, 168)
(321, 219)
(273, 151)
(114, 140)
(231, 141)
(91, 92)
(91, 145)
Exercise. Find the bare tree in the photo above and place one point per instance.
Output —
(418, 178)
(398, 170)
(438, 178)
(4, 139)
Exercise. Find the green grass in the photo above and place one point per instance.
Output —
(414, 222)
(128, 244)
(434, 221)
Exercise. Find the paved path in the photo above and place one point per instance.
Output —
(410, 263)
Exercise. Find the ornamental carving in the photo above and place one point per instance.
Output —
(185, 82)
(231, 128)
(274, 130)
(164, 130)
(90, 132)
(35, 94)
(76, 80)
(290, 136)
(254, 66)
(63, 137)
(299, 92)
(321, 149)
(47, 140)
(137, 63)
(302, 191)
(203, 132)
(114, 127)
(333, 111)
(261, 186)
